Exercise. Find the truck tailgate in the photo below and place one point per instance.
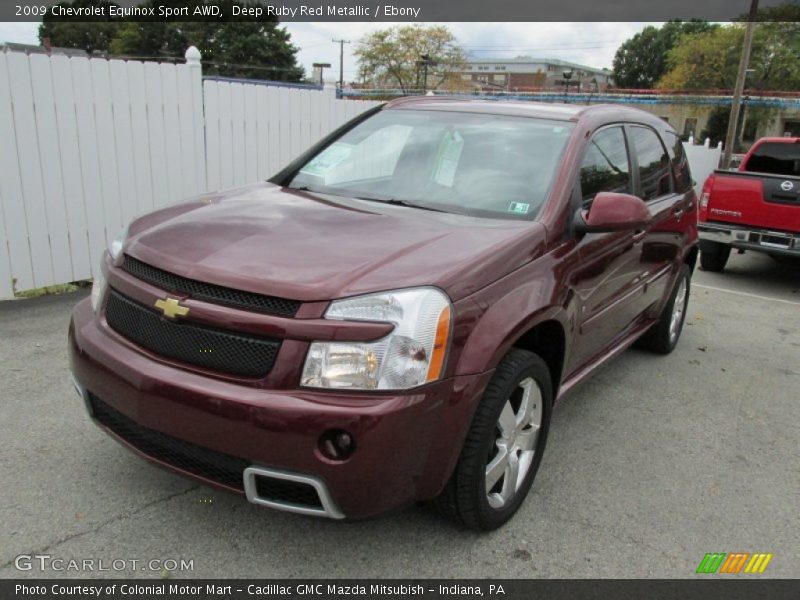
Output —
(756, 200)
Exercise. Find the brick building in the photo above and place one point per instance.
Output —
(527, 73)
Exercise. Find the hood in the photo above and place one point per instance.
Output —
(311, 247)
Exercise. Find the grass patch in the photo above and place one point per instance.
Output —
(50, 290)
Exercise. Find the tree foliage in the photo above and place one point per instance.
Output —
(641, 60)
(393, 56)
(710, 60)
(90, 34)
(254, 49)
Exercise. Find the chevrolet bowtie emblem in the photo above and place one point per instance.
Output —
(171, 308)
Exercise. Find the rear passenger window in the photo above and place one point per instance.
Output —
(654, 169)
(680, 164)
(605, 165)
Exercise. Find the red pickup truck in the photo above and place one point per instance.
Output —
(756, 207)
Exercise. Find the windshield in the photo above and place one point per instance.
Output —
(478, 164)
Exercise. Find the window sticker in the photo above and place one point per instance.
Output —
(519, 208)
(447, 158)
(328, 159)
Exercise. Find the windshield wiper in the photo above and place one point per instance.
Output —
(393, 201)
(305, 188)
(397, 202)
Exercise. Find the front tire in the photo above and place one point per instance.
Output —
(504, 445)
(664, 335)
(713, 255)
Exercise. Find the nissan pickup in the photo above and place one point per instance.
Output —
(756, 207)
(391, 318)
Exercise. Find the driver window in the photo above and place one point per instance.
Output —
(605, 165)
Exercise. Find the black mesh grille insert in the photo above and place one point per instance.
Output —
(212, 465)
(209, 292)
(290, 492)
(224, 351)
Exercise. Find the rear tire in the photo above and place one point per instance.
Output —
(504, 445)
(713, 255)
(664, 335)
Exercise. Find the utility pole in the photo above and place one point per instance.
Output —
(425, 62)
(736, 103)
(341, 60)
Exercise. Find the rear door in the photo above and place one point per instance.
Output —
(670, 207)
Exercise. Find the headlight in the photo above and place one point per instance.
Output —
(98, 290)
(115, 247)
(99, 285)
(411, 355)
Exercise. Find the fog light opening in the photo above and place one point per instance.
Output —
(337, 444)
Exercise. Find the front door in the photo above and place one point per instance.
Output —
(609, 282)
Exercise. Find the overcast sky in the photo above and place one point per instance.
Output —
(592, 44)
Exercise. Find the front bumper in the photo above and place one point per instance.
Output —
(406, 443)
(750, 238)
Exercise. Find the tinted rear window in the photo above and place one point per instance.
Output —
(654, 170)
(680, 163)
(776, 157)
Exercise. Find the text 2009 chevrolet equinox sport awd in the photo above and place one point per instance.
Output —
(391, 318)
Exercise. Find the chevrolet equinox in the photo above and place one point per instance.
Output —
(391, 318)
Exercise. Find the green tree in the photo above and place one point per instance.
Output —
(710, 60)
(704, 60)
(717, 125)
(254, 49)
(641, 60)
(93, 34)
(394, 56)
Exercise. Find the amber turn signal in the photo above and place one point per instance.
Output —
(439, 345)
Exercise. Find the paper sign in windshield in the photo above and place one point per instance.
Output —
(328, 159)
(447, 160)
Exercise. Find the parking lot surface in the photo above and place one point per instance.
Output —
(650, 464)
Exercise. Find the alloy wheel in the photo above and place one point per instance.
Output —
(678, 307)
(514, 448)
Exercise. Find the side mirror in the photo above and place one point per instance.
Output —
(612, 212)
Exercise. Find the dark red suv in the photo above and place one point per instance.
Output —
(391, 318)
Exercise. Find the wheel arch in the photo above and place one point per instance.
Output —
(547, 339)
(690, 258)
(542, 330)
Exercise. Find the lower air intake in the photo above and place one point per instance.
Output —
(291, 492)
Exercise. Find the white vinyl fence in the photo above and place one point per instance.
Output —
(253, 129)
(88, 144)
(703, 160)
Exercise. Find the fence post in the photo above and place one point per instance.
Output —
(193, 57)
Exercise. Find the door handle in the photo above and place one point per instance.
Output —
(679, 212)
(639, 236)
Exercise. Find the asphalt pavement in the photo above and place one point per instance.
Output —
(652, 463)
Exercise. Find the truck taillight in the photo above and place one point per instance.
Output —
(706, 193)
